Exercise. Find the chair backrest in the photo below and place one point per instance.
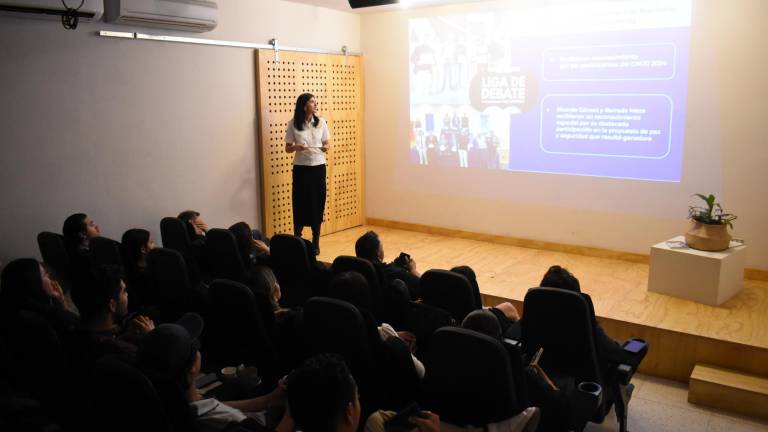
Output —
(105, 251)
(170, 289)
(224, 261)
(560, 321)
(344, 263)
(173, 232)
(237, 330)
(402, 385)
(125, 399)
(335, 326)
(291, 263)
(54, 253)
(450, 291)
(469, 380)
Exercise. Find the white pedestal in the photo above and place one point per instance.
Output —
(705, 277)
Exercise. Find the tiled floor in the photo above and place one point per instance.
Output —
(661, 405)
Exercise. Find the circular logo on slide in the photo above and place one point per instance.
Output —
(503, 90)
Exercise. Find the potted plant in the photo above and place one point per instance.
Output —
(709, 225)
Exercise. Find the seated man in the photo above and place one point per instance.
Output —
(170, 358)
(608, 350)
(101, 312)
(192, 217)
(322, 396)
(369, 247)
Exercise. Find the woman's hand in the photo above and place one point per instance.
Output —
(427, 421)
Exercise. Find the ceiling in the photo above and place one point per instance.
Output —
(343, 5)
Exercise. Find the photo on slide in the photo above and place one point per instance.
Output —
(594, 89)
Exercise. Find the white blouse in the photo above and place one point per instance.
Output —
(311, 137)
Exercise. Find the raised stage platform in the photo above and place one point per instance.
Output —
(681, 333)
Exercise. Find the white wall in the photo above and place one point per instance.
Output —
(728, 43)
(132, 131)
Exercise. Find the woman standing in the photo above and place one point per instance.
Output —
(307, 136)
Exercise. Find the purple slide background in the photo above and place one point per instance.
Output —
(526, 129)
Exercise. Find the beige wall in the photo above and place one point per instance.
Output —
(728, 63)
(131, 131)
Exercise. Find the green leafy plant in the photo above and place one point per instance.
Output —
(711, 214)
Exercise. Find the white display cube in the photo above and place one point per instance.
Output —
(705, 277)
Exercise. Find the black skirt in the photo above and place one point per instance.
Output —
(308, 195)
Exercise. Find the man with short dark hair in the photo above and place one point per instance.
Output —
(369, 247)
(322, 396)
(193, 218)
(102, 308)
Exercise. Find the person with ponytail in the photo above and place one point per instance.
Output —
(307, 136)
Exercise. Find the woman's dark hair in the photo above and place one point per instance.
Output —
(132, 247)
(244, 239)
(367, 246)
(483, 321)
(560, 277)
(351, 287)
(264, 282)
(74, 227)
(21, 287)
(320, 391)
(299, 115)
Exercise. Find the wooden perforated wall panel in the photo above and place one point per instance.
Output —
(336, 82)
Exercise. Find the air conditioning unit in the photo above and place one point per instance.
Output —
(51, 9)
(187, 15)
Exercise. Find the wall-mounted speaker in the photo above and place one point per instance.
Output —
(356, 4)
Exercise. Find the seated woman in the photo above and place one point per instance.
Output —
(505, 312)
(78, 230)
(135, 246)
(353, 288)
(252, 251)
(25, 285)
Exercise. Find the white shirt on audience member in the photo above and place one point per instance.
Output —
(311, 137)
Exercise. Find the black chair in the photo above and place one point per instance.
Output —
(237, 330)
(171, 292)
(563, 323)
(105, 252)
(124, 399)
(335, 326)
(38, 366)
(418, 318)
(223, 254)
(449, 291)
(292, 267)
(173, 232)
(55, 254)
(469, 381)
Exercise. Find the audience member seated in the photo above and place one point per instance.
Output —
(288, 321)
(170, 358)
(369, 246)
(609, 351)
(197, 225)
(100, 317)
(323, 397)
(506, 313)
(353, 288)
(26, 286)
(78, 229)
(252, 251)
(135, 245)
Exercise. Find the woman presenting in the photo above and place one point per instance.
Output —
(307, 136)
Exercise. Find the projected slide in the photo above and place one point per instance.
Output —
(593, 89)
